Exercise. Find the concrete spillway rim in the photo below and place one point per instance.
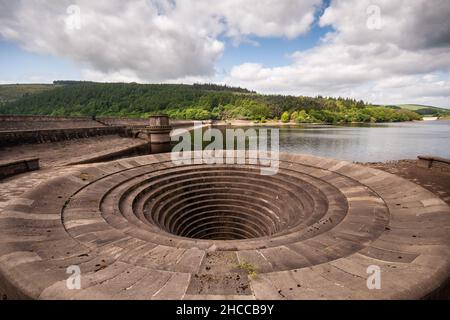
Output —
(412, 249)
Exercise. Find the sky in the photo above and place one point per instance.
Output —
(381, 51)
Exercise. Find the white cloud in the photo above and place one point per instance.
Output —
(115, 37)
(147, 40)
(267, 18)
(407, 60)
(409, 24)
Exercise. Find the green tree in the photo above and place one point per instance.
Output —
(285, 117)
(303, 117)
(294, 116)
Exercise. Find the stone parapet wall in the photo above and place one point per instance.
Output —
(9, 138)
(137, 122)
(8, 169)
(182, 123)
(16, 130)
(123, 121)
(41, 118)
(20, 123)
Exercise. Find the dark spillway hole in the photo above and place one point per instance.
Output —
(221, 221)
(222, 226)
(210, 215)
(223, 205)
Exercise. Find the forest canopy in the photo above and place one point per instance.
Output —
(197, 102)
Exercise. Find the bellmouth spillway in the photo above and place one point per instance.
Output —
(146, 228)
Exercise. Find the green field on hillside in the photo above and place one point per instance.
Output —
(425, 110)
(412, 107)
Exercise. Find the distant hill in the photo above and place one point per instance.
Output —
(198, 101)
(11, 92)
(425, 110)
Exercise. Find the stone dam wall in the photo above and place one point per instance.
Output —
(22, 123)
(16, 130)
(139, 123)
(10, 138)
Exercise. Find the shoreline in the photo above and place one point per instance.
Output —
(252, 123)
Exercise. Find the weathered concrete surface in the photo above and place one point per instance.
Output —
(145, 228)
(72, 151)
(433, 179)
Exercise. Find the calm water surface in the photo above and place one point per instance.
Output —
(368, 143)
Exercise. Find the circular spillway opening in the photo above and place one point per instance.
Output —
(151, 215)
(234, 204)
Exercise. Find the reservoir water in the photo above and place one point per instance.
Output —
(367, 143)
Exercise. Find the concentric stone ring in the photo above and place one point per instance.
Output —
(149, 228)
